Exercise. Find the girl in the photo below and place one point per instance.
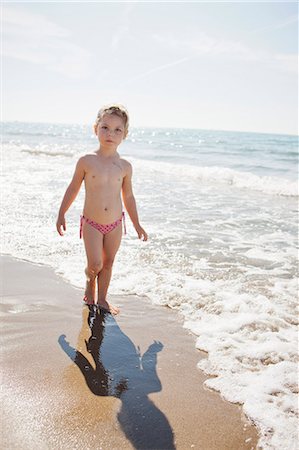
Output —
(106, 176)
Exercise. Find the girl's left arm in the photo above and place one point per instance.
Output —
(130, 202)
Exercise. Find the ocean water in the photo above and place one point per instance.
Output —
(221, 212)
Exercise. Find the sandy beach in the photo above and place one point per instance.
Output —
(76, 378)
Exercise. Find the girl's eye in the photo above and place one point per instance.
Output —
(104, 128)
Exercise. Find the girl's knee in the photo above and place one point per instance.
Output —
(93, 269)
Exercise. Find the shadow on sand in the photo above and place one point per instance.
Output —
(119, 370)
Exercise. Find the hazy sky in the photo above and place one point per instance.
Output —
(208, 65)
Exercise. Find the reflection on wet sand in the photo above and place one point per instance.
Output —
(113, 366)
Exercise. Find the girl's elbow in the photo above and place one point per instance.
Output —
(128, 197)
(74, 187)
(130, 201)
(73, 190)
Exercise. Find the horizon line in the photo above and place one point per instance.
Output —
(157, 127)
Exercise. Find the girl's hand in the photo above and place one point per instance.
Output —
(60, 224)
(141, 233)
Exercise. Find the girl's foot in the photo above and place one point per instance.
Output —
(107, 307)
(87, 301)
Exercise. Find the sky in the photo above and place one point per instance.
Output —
(204, 65)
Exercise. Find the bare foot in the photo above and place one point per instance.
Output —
(109, 308)
(90, 292)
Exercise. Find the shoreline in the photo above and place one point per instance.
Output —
(75, 379)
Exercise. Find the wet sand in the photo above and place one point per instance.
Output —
(77, 378)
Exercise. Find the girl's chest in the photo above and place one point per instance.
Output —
(106, 174)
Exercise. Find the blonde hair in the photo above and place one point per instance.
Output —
(117, 110)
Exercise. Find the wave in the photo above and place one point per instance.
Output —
(47, 152)
(224, 175)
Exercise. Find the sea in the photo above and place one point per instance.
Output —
(221, 211)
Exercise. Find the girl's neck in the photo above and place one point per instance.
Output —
(106, 152)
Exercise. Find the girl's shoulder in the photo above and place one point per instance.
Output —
(127, 166)
(87, 158)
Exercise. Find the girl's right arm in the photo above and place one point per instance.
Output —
(70, 194)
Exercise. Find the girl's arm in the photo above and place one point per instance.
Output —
(70, 195)
(130, 203)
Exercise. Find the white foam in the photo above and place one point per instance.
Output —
(272, 185)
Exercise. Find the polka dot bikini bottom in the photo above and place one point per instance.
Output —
(102, 228)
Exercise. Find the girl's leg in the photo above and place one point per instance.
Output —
(111, 244)
(93, 241)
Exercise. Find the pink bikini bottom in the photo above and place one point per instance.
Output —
(104, 229)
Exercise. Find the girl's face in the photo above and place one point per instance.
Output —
(110, 130)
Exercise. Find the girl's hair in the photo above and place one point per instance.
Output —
(117, 110)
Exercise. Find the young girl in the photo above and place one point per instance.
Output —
(105, 176)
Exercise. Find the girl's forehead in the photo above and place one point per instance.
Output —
(112, 118)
